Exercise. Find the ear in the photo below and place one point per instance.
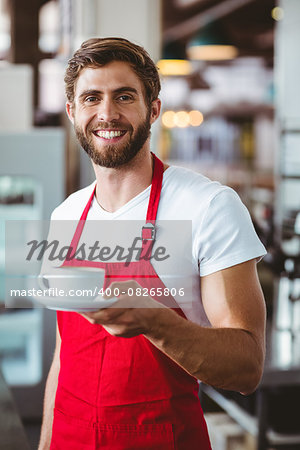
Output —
(69, 109)
(155, 110)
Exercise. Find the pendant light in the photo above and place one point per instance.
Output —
(174, 62)
(210, 44)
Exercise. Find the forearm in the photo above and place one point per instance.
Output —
(49, 400)
(228, 358)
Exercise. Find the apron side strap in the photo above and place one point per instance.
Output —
(79, 228)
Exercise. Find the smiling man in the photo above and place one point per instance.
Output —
(124, 129)
(126, 377)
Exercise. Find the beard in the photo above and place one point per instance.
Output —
(115, 155)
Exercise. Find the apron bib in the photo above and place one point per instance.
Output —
(123, 393)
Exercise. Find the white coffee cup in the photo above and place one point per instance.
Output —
(84, 282)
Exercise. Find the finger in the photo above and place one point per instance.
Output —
(104, 315)
(86, 316)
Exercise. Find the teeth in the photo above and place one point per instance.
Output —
(109, 134)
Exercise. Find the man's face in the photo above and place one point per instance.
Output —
(111, 119)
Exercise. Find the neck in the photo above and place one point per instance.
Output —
(116, 187)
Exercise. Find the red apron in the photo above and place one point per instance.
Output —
(123, 393)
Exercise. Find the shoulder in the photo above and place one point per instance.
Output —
(72, 207)
(191, 188)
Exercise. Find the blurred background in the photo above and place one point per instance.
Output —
(230, 73)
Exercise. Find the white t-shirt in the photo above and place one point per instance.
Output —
(221, 231)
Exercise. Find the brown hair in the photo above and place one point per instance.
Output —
(97, 52)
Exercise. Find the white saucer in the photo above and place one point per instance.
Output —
(74, 304)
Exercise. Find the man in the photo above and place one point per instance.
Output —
(125, 377)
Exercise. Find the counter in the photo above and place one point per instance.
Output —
(12, 434)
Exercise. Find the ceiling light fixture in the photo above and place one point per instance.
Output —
(210, 44)
(174, 62)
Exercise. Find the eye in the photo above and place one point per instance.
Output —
(125, 98)
(91, 99)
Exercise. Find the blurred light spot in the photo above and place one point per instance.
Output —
(277, 13)
(168, 119)
(195, 118)
(182, 119)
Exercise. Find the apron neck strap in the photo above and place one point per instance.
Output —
(156, 185)
(148, 230)
(88, 205)
(155, 190)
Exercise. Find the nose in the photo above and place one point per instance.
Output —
(108, 111)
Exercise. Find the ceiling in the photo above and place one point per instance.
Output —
(248, 24)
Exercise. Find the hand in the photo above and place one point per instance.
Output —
(130, 316)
